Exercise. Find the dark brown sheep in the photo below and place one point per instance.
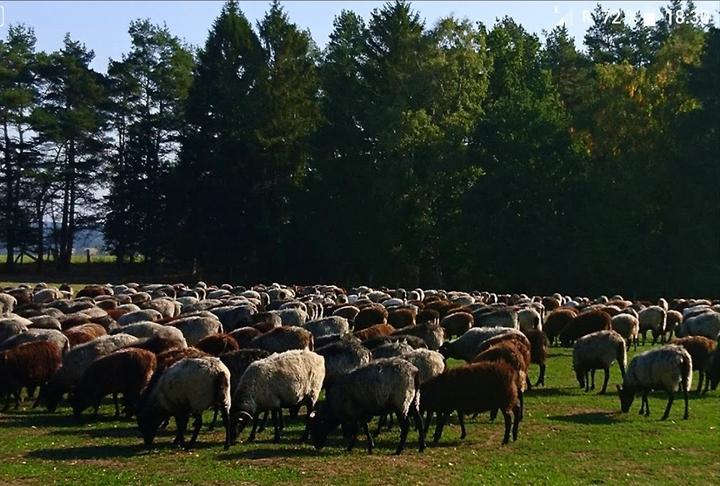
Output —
(473, 388)
(93, 291)
(169, 358)
(538, 352)
(514, 354)
(370, 316)
(158, 344)
(428, 315)
(456, 323)
(238, 361)
(127, 371)
(243, 335)
(29, 365)
(557, 321)
(218, 344)
(375, 331)
(401, 317)
(550, 303)
(584, 324)
(700, 349)
(266, 321)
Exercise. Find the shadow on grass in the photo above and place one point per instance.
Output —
(590, 418)
(257, 451)
(88, 452)
(550, 392)
(25, 420)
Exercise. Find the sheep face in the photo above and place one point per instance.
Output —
(149, 420)
(237, 425)
(322, 423)
(627, 395)
(51, 394)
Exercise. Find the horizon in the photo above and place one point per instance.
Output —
(106, 32)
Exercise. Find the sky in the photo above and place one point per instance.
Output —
(103, 25)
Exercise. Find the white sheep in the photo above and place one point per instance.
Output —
(327, 326)
(188, 387)
(705, 324)
(598, 350)
(150, 329)
(7, 303)
(429, 363)
(653, 319)
(528, 319)
(628, 326)
(195, 328)
(667, 368)
(282, 380)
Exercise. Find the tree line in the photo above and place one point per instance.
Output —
(454, 154)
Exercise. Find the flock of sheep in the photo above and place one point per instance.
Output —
(173, 351)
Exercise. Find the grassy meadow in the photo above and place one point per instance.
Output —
(567, 437)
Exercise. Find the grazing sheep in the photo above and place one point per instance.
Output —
(126, 371)
(584, 324)
(712, 370)
(150, 329)
(283, 339)
(370, 316)
(218, 344)
(674, 320)
(666, 368)
(327, 326)
(11, 326)
(7, 303)
(292, 317)
(349, 312)
(238, 361)
(187, 388)
(429, 363)
(45, 322)
(139, 316)
(375, 331)
(76, 361)
(514, 353)
(29, 365)
(557, 321)
(195, 328)
(598, 351)
(235, 316)
(430, 332)
(628, 326)
(466, 346)
(283, 380)
(538, 352)
(474, 388)
(412, 341)
(382, 386)
(706, 324)
(496, 318)
(158, 344)
(529, 319)
(341, 357)
(244, 335)
(391, 350)
(401, 317)
(701, 349)
(168, 358)
(457, 323)
(653, 319)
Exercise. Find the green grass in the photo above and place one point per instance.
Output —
(567, 437)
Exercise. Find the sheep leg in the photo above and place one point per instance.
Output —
(353, 438)
(17, 398)
(461, 419)
(309, 405)
(508, 426)
(197, 424)
(493, 414)
(700, 381)
(415, 413)
(517, 417)
(671, 398)
(226, 423)
(439, 424)
(685, 397)
(371, 444)
(254, 428)
(181, 421)
(404, 429)
(117, 405)
(264, 421)
(382, 421)
(605, 381)
(281, 421)
(276, 425)
(592, 376)
(527, 381)
(521, 397)
(428, 420)
(541, 378)
(214, 420)
(647, 404)
(587, 381)
(31, 391)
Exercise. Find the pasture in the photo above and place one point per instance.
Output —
(568, 436)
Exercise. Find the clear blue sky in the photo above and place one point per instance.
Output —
(102, 26)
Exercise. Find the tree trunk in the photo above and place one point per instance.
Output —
(9, 202)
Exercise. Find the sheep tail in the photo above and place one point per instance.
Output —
(686, 369)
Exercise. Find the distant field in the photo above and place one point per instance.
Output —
(567, 437)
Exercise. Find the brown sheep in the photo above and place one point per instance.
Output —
(514, 354)
(93, 291)
(550, 303)
(266, 321)
(401, 317)
(375, 331)
(586, 323)
(126, 371)
(370, 316)
(243, 335)
(674, 319)
(473, 388)
(557, 321)
(29, 365)
(283, 339)
(428, 315)
(218, 344)
(456, 323)
(169, 358)
(538, 352)
(700, 349)
(158, 344)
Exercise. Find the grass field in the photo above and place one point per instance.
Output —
(567, 436)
